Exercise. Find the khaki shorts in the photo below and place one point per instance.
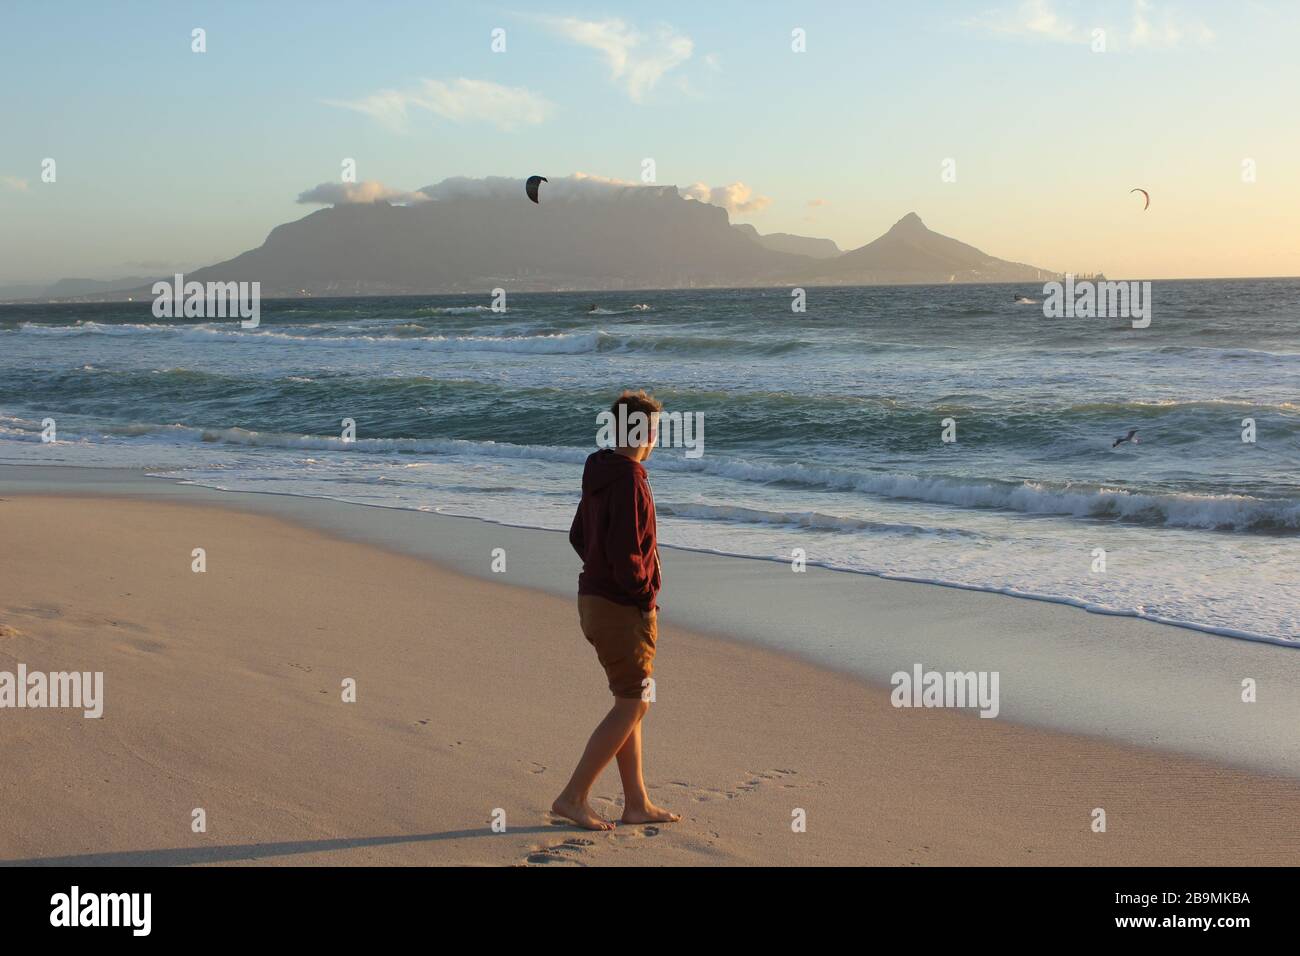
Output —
(624, 640)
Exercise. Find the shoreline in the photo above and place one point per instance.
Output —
(1091, 608)
(1229, 633)
(1131, 680)
(1234, 630)
(475, 694)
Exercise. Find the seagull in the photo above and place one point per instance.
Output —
(1131, 436)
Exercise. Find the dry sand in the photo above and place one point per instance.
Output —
(223, 692)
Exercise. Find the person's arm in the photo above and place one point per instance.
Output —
(576, 538)
(629, 511)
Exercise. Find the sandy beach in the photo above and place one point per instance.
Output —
(930, 476)
(223, 691)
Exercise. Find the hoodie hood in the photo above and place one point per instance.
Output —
(607, 466)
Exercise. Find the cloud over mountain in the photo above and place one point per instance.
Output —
(736, 198)
(368, 191)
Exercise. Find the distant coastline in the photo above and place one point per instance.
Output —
(142, 294)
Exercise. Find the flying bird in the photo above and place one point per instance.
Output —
(1145, 195)
(533, 184)
(1131, 436)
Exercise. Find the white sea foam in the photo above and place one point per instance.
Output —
(1181, 510)
(1200, 526)
(558, 343)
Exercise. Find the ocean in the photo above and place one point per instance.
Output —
(823, 429)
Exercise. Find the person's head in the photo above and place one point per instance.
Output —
(637, 408)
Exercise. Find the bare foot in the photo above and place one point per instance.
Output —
(580, 813)
(650, 814)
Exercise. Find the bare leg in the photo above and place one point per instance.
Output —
(629, 769)
(637, 807)
(606, 741)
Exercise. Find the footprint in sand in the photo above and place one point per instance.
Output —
(45, 611)
(630, 836)
(40, 611)
(140, 645)
(568, 853)
(111, 622)
(755, 780)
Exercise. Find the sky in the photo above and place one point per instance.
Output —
(1014, 125)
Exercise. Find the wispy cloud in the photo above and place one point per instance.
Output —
(636, 60)
(735, 198)
(460, 101)
(13, 182)
(1168, 28)
(1148, 25)
(1031, 18)
(342, 194)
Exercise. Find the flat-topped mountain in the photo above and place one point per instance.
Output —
(474, 235)
(618, 237)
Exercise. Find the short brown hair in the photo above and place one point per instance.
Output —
(638, 401)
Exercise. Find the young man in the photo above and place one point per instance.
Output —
(614, 534)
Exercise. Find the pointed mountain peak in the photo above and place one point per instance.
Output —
(909, 224)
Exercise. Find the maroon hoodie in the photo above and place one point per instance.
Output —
(614, 532)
